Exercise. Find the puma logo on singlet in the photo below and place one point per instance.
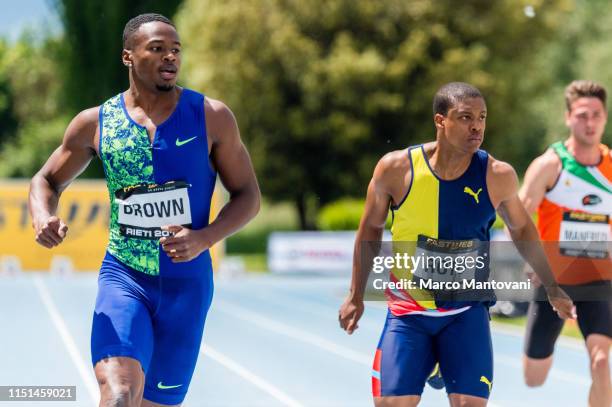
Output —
(469, 191)
(487, 382)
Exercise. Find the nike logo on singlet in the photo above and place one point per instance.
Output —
(162, 387)
(469, 191)
(181, 143)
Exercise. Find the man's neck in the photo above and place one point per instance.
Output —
(447, 162)
(586, 154)
(151, 100)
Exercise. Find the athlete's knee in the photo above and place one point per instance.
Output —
(121, 384)
(124, 394)
(120, 396)
(535, 371)
(397, 401)
(600, 364)
(599, 350)
(463, 400)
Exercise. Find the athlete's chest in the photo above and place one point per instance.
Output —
(590, 191)
(176, 149)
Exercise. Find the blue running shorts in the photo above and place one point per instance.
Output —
(411, 345)
(156, 320)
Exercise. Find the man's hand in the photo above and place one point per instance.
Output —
(50, 232)
(531, 275)
(185, 244)
(349, 314)
(561, 302)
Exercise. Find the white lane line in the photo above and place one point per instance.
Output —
(85, 373)
(295, 333)
(249, 376)
(316, 340)
(298, 334)
(321, 311)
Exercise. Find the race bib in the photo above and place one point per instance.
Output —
(449, 260)
(584, 235)
(144, 209)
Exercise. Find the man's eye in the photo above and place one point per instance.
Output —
(176, 50)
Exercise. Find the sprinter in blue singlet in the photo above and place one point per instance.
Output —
(162, 147)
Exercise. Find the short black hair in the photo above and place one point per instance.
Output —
(134, 24)
(452, 93)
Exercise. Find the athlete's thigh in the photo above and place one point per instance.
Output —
(405, 356)
(178, 328)
(594, 317)
(543, 328)
(466, 353)
(121, 323)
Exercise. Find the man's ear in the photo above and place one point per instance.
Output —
(126, 57)
(567, 117)
(439, 120)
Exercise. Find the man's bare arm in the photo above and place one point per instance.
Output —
(539, 178)
(502, 182)
(371, 228)
(62, 167)
(233, 164)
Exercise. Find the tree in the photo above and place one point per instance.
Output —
(92, 69)
(323, 88)
(30, 67)
(8, 121)
(581, 50)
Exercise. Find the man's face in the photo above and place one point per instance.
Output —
(464, 124)
(587, 120)
(155, 55)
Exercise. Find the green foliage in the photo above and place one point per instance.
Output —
(36, 140)
(582, 50)
(323, 88)
(343, 214)
(499, 223)
(91, 69)
(254, 237)
(8, 121)
(248, 242)
(30, 68)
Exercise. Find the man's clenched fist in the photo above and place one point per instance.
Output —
(50, 232)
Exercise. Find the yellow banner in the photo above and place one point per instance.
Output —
(84, 206)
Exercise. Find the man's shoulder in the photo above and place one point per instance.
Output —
(220, 120)
(214, 107)
(82, 129)
(501, 171)
(394, 160)
(86, 119)
(89, 115)
(547, 166)
(392, 166)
